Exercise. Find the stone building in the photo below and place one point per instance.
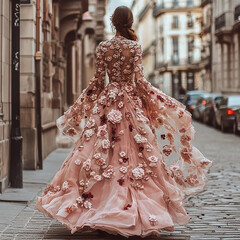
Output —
(178, 45)
(206, 42)
(226, 46)
(5, 87)
(57, 59)
(145, 27)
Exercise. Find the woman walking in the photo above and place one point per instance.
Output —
(119, 178)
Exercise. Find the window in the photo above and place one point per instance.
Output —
(189, 3)
(175, 3)
(190, 21)
(175, 22)
(190, 49)
(175, 57)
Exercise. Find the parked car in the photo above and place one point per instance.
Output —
(210, 108)
(200, 106)
(225, 113)
(191, 99)
(236, 124)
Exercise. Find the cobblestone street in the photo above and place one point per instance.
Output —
(215, 212)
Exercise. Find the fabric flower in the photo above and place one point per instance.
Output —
(90, 123)
(108, 172)
(128, 88)
(78, 162)
(186, 155)
(98, 177)
(88, 133)
(65, 186)
(123, 170)
(100, 161)
(87, 204)
(167, 150)
(87, 165)
(138, 173)
(122, 154)
(140, 139)
(153, 220)
(95, 109)
(120, 104)
(102, 100)
(102, 130)
(105, 144)
(114, 116)
(79, 200)
(97, 155)
(153, 159)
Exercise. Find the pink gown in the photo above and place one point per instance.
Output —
(119, 178)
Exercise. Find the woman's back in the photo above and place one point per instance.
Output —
(118, 57)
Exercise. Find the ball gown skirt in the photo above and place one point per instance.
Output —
(133, 160)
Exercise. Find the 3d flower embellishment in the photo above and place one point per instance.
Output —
(192, 180)
(97, 155)
(113, 93)
(98, 177)
(186, 155)
(138, 173)
(65, 186)
(114, 116)
(123, 170)
(102, 100)
(105, 144)
(71, 132)
(109, 172)
(120, 104)
(122, 154)
(153, 159)
(153, 220)
(79, 200)
(78, 162)
(129, 88)
(87, 107)
(100, 161)
(167, 150)
(102, 130)
(89, 133)
(87, 165)
(87, 204)
(94, 97)
(96, 109)
(90, 123)
(140, 139)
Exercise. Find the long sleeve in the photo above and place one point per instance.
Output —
(174, 125)
(70, 123)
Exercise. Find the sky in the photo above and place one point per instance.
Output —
(111, 7)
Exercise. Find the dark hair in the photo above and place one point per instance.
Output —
(122, 19)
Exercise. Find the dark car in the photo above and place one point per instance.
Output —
(191, 99)
(210, 108)
(200, 106)
(225, 113)
(236, 125)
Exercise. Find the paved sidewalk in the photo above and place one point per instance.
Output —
(13, 201)
(215, 212)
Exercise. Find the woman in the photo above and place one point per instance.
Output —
(117, 178)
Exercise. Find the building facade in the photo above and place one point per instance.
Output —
(226, 46)
(144, 25)
(206, 48)
(57, 59)
(178, 45)
(5, 89)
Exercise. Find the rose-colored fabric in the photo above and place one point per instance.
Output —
(118, 178)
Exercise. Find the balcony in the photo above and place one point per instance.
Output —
(171, 7)
(223, 26)
(236, 26)
(205, 3)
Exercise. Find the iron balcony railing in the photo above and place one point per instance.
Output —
(164, 7)
(237, 13)
(205, 2)
(220, 21)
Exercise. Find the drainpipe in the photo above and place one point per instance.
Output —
(16, 175)
(38, 57)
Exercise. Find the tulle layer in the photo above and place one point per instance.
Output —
(119, 178)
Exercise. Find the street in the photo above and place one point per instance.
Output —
(215, 212)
